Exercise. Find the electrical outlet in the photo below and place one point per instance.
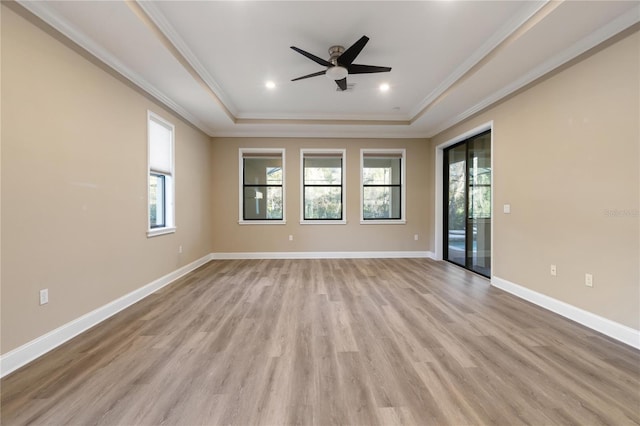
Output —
(588, 280)
(44, 296)
(290, 237)
(179, 249)
(506, 208)
(553, 270)
(415, 237)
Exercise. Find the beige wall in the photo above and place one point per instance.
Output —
(566, 157)
(231, 237)
(74, 197)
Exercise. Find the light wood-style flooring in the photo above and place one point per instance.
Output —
(324, 342)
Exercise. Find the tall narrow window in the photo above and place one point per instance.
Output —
(262, 186)
(383, 192)
(322, 186)
(160, 139)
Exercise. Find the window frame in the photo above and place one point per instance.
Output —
(342, 153)
(242, 152)
(401, 153)
(169, 180)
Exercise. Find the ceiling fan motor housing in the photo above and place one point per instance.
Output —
(337, 72)
(334, 54)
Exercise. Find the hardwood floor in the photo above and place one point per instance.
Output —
(322, 342)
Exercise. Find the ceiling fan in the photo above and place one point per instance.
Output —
(340, 63)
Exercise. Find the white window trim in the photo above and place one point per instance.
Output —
(170, 219)
(403, 187)
(262, 151)
(343, 154)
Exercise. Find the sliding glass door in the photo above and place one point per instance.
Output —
(467, 203)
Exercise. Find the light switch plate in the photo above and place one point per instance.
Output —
(44, 296)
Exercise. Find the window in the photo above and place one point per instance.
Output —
(322, 186)
(382, 185)
(160, 139)
(262, 186)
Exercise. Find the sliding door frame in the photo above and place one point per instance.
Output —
(439, 193)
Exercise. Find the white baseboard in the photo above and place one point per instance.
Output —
(26, 353)
(325, 255)
(617, 331)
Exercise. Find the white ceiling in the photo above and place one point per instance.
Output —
(209, 60)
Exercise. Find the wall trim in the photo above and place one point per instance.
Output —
(324, 255)
(28, 352)
(32, 350)
(610, 328)
(617, 26)
(60, 24)
(493, 43)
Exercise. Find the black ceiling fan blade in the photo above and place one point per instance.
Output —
(342, 84)
(315, 74)
(349, 55)
(313, 57)
(366, 69)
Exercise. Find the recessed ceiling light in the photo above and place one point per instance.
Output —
(270, 85)
(384, 87)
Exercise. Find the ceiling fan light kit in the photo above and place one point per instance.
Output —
(340, 63)
(337, 72)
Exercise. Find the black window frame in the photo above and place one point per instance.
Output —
(309, 155)
(248, 156)
(398, 185)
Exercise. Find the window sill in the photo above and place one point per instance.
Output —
(323, 222)
(262, 222)
(160, 231)
(383, 222)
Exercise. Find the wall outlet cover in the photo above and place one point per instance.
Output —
(44, 296)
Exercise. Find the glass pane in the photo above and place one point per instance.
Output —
(274, 175)
(479, 171)
(156, 201)
(262, 202)
(381, 202)
(481, 246)
(323, 171)
(322, 202)
(480, 202)
(381, 171)
(456, 204)
(262, 171)
(480, 160)
(274, 202)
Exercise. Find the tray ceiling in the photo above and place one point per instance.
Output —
(210, 61)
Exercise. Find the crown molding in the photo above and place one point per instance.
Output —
(46, 14)
(312, 121)
(618, 25)
(324, 117)
(320, 132)
(507, 30)
(172, 35)
(245, 125)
